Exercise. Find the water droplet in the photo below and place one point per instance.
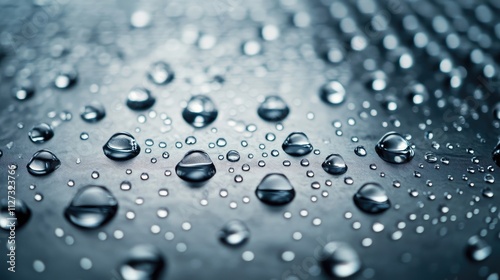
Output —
(93, 112)
(273, 109)
(270, 32)
(360, 151)
(339, 260)
(121, 146)
(23, 91)
(477, 249)
(140, 19)
(488, 192)
(275, 189)
(41, 133)
(417, 93)
(372, 198)
(221, 142)
(297, 144)
(21, 211)
(160, 73)
(333, 93)
(125, 186)
(196, 166)
(233, 156)
(66, 78)
(394, 148)
(496, 154)
(43, 162)
(251, 48)
(190, 140)
(140, 98)
(144, 262)
(200, 111)
(84, 136)
(234, 233)
(334, 164)
(430, 157)
(92, 207)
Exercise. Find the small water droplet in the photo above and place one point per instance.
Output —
(372, 198)
(93, 112)
(333, 93)
(234, 233)
(360, 151)
(160, 73)
(125, 186)
(339, 260)
(417, 93)
(488, 192)
(23, 90)
(66, 78)
(144, 262)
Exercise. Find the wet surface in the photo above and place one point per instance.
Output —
(233, 80)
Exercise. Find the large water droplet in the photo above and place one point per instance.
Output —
(333, 93)
(477, 249)
(121, 146)
(297, 144)
(339, 260)
(93, 112)
(196, 166)
(41, 133)
(275, 189)
(92, 207)
(394, 148)
(144, 262)
(372, 198)
(273, 109)
(43, 162)
(21, 214)
(140, 98)
(334, 164)
(160, 73)
(234, 233)
(200, 111)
